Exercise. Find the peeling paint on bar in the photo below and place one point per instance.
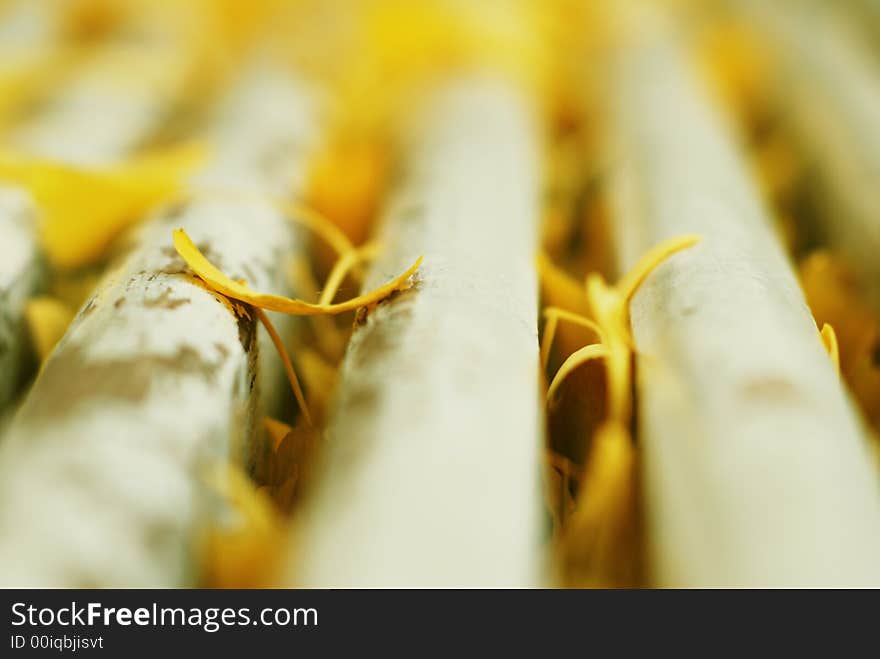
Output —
(96, 118)
(430, 474)
(756, 470)
(156, 381)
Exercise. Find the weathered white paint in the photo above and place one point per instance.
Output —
(756, 468)
(101, 474)
(120, 95)
(429, 475)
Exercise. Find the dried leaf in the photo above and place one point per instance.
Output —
(83, 210)
(47, 320)
(238, 291)
(242, 550)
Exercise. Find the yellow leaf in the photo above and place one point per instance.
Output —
(288, 366)
(238, 291)
(599, 540)
(559, 289)
(320, 379)
(553, 315)
(343, 266)
(346, 183)
(610, 321)
(585, 354)
(83, 210)
(836, 297)
(598, 543)
(829, 339)
(241, 552)
(277, 431)
(653, 258)
(47, 320)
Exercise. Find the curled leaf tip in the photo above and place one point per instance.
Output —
(262, 302)
(574, 360)
(609, 310)
(651, 260)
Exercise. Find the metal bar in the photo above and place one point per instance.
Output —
(102, 112)
(756, 469)
(156, 380)
(429, 476)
